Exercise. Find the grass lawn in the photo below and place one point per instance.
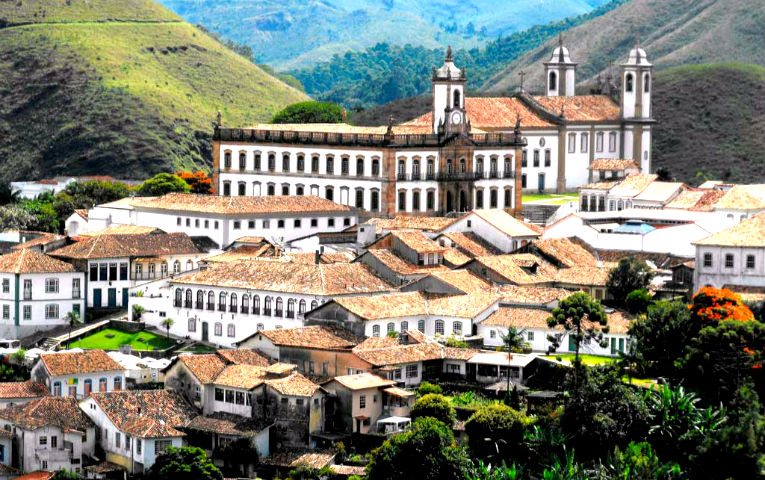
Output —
(139, 341)
(586, 359)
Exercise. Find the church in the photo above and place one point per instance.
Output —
(467, 153)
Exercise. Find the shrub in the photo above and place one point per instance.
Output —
(638, 301)
(427, 387)
(436, 406)
(310, 112)
(496, 428)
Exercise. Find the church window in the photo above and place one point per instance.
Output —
(524, 159)
(553, 81)
(585, 144)
(612, 141)
(647, 83)
(523, 181)
(548, 158)
(330, 165)
(536, 158)
(227, 188)
(242, 161)
(344, 167)
(286, 162)
(457, 103)
(416, 200)
(256, 167)
(402, 201)
(462, 165)
(479, 198)
(227, 160)
(374, 203)
(360, 198)
(375, 167)
(315, 164)
(300, 163)
(508, 198)
(430, 200)
(271, 162)
(242, 189)
(493, 198)
(599, 142)
(330, 194)
(571, 142)
(628, 81)
(360, 167)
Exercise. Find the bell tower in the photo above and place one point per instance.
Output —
(449, 114)
(637, 83)
(560, 72)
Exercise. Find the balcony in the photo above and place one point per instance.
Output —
(187, 304)
(232, 309)
(200, 305)
(267, 311)
(211, 306)
(221, 307)
(76, 293)
(278, 313)
(245, 309)
(27, 294)
(177, 303)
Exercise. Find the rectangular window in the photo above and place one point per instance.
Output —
(585, 144)
(229, 396)
(402, 201)
(266, 224)
(536, 158)
(411, 371)
(218, 394)
(6, 285)
(161, 445)
(51, 285)
(430, 200)
(524, 159)
(240, 398)
(117, 438)
(728, 260)
(362, 401)
(331, 222)
(123, 271)
(76, 288)
(93, 272)
(750, 262)
(251, 224)
(314, 223)
(707, 259)
(27, 312)
(531, 336)
(6, 312)
(237, 225)
(112, 271)
(599, 142)
(571, 142)
(102, 272)
(138, 446)
(548, 158)
(51, 311)
(43, 440)
(612, 142)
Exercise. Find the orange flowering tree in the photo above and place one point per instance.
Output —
(199, 182)
(711, 306)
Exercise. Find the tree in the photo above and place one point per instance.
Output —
(185, 462)
(660, 337)
(637, 301)
(514, 340)
(72, 319)
(161, 184)
(168, 323)
(436, 406)
(629, 275)
(712, 305)
(8, 194)
(87, 194)
(425, 452)
(199, 182)
(583, 319)
(496, 429)
(138, 312)
(66, 475)
(310, 112)
(638, 461)
(41, 208)
(13, 217)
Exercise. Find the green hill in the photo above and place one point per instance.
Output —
(673, 33)
(120, 87)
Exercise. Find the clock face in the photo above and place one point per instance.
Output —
(456, 118)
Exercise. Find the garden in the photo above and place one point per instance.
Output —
(113, 339)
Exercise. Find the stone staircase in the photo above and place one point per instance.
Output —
(539, 214)
(49, 343)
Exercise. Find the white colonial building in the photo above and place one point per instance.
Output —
(37, 293)
(78, 373)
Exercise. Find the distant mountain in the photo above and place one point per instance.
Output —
(290, 34)
(711, 121)
(122, 87)
(673, 33)
(386, 72)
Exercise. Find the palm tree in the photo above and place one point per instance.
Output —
(167, 323)
(138, 312)
(72, 318)
(514, 342)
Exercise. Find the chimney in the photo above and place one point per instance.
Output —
(317, 257)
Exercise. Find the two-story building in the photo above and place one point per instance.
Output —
(358, 402)
(49, 433)
(78, 374)
(37, 292)
(114, 263)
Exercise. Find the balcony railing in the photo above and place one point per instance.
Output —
(256, 310)
(245, 309)
(232, 309)
(278, 313)
(210, 306)
(221, 307)
(267, 312)
(177, 303)
(76, 293)
(200, 305)
(27, 294)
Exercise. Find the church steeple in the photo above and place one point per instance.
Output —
(449, 115)
(560, 72)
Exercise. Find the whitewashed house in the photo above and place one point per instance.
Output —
(15, 393)
(78, 374)
(37, 292)
(497, 227)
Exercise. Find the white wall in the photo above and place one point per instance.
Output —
(718, 275)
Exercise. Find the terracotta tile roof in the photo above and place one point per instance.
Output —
(711, 184)
(521, 317)
(566, 252)
(404, 304)
(187, 202)
(332, 279)
(633, 184)
(87, 361)
(493, 113)
(452, 353)
(612, 164)
(598, 186)
(294, 385)
(400, 354)
(532, 295)
(308, 337)
(37, 476)
(251, 239)
(659, 191)
(372, 343)
(243, 356)
(518, 268)
(104, 467)
(348, 470)
(463, 280)
(417, 241)
(470, 244)
(280, 368)
(120, 230)
(748, 233)
(292, 458)
(400, 266)
(28, 389)
(205, 367)
(428, 224)
(238, 254)
(138, 245)
(61, 412)
(505, 223)
(226, 424)
(43, 239)
(743, 197)
(583, 275)
(362, 381)
(245, 377)
(688, 199)
(82, 212)
(582, 108)
(146, 413)
(455, 258)
(308, 258)
(30, 261)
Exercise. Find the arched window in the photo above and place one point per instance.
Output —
(375, 330)
(231, 330)
(233, 303)
(479, 164)
(271, 189)
(415, 167)
(647, 82)
(117, 384)
(301, 306)
(200, 299)
(57, 388)
(508, 166)
(314, 304)
(279, 307)
(463, 169)
(267, 306)
(299, 190)
(222, 302)
(242, 189)
(176, 267)
(375, 166)
(330, 194)
(404, 326)
(286, 162)
(439, 327)
(448, 165)
(620, 205)
(88, 386)
(300, 163)
(457, 99)
(431, 167)
(374, 201)
(291, 308)
(359, 198)
(330, 165)
(391, 327)
(178, 297)
(457, 328)
(218, 329)
(245, 304)
(344, 167)
(493, 166)
(401, 167)
(102, 384)
(256, 304)
(226, 160)
(628, 82)
(421, 325)
(271, 162)
(211, 301)
(553, 81)
(189, 296)
(227, 189)
(242, 160)
(360, 166)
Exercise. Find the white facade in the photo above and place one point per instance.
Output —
(537, 339)
(50, 448)
(81, 384)
(718, 266)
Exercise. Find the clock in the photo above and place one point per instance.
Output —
(456, 118)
